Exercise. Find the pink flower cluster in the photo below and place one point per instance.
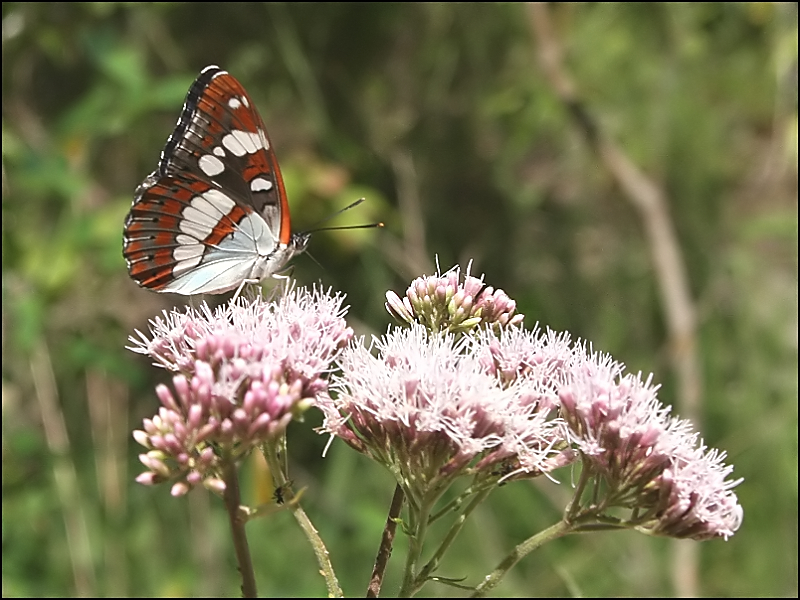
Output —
(648, 459)
(443, 303)
(465, 390)
(243, 372)
(428, 408)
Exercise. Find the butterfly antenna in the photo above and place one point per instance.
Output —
(337, 213)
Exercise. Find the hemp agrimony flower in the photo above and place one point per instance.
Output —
(426, 408)
(443, 302)
(465, 390)
(647, 461)
(243, 372)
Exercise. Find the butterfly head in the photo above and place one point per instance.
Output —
(299, 242)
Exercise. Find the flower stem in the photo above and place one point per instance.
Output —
(418, 527)
(430, 567)
(553, 532)
(232, 499)
(323, 558)
(270, 450)
(387, 541)
(575, 504)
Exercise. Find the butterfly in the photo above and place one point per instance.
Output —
(214, 215)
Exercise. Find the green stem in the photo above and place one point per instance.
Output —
(575, 505)
(554, 532)
(429, 568)
(418, 524)
(323, 558)
(232, 499)
(455, 503)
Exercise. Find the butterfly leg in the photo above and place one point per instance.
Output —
(241, 287)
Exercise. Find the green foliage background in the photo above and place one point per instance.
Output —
(440, 115)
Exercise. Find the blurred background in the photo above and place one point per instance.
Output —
(626, 172)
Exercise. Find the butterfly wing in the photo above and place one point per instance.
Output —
(214, 213)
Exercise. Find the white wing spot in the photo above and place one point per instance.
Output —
(243, 142)
(193, 229)
(234, 103)
(233, 144)
(183, 266)
(185, 240)
(245, 102)
(222, 203)
(210, 165)
(204, 212)
(219, 151)
(263, 139)
(190, 254)
(259, 184)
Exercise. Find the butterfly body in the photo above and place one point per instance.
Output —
(214, 214)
